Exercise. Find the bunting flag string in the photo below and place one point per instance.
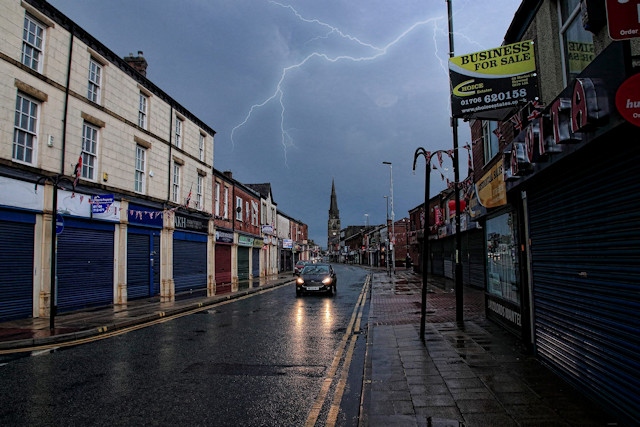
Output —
(516, 119)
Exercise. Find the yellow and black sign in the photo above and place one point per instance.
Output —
(490, 83)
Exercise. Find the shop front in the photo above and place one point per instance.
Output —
(224, 244)
(190, 252)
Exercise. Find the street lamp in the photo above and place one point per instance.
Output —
(425, 235)
(393, 220)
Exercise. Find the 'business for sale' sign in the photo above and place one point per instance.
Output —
(489, 84)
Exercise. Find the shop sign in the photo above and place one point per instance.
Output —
(566, 122)
(628, 100)
(287, 243)
(267, 229)
(192, 224)
(491, 82)
(224, 237)
(245, 240)
(491, 189)
(623, 18)
(100, 204)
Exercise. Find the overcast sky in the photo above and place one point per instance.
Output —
(303, 92)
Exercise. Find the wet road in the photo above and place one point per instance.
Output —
(270, 359)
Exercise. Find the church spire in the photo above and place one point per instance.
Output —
(333, 226)
(333, 208)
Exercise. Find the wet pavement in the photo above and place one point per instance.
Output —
(469, 374)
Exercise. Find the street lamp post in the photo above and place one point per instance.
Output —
(386, 243)
(425, 235)
(393, 220)
(456, 166)
(56, 181)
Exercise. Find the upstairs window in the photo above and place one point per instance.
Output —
(577, 43)
(25, 129)
(95, 81)
(89, 151)
(141, 160)
(178, 140)
(254, 213)
(216, 195)
(175, 187)
(490, 140)
(143, 105)
(238, 208)
(32, 43)
(225, 203)
(199, 191)
(201, 146)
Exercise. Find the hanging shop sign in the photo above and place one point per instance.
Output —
(628, 100)
(489, 84)
(623, 18)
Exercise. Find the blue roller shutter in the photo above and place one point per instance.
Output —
(85, 265)
(189, 261)
(142, 262)
(585, 259)
(16, 266)
(255, 266)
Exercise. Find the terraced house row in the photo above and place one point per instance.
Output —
(107, 186)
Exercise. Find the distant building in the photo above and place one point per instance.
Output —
(333, 228)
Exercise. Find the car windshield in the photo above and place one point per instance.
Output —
(316, 269)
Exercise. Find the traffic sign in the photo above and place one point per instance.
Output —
(59, 224)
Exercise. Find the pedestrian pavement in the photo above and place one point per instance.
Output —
(467, 374)
(472, 373)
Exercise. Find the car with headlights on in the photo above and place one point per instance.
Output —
(316, 278)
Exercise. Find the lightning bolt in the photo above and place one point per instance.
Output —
(377, 51)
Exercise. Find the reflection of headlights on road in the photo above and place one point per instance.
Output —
(326, 281)
(300, 281)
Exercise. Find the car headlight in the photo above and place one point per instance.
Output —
(300, 281)
(326, 281)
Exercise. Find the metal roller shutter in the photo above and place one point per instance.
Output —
(243, 263)
(138, 265)
(223, 269)
(255, 262)
(189, 261)
(16, 269)
(85, 267)
(585, 255)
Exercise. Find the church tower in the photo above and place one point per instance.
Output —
(333, 229)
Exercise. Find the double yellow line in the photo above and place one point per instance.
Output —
(344, 351)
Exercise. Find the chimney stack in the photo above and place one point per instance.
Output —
(137, 62)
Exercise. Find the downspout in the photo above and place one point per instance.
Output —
(170, 154)
(66, 102)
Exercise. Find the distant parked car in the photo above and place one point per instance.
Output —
(316, 278)
(299, 266)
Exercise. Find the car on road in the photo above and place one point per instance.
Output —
(319, 277)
